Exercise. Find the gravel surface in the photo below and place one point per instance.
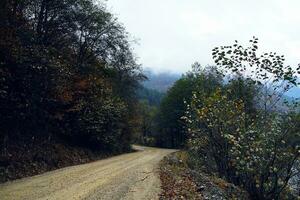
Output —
(128, 176)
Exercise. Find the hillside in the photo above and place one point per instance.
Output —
(160, 81)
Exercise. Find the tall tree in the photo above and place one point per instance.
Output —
(66, 62)
(173, 105)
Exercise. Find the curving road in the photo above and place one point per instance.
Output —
(128, 176)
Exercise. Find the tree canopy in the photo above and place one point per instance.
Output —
(66, 65)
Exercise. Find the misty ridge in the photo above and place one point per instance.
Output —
(160, 81)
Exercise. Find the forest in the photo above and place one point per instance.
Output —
(73, 91)
(234, 119)
(68, 75)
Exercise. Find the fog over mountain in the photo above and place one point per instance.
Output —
(160, 81)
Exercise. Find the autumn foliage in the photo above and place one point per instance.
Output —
(64, 67)
(239, 128)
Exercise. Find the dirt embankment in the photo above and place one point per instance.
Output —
(179, 181)
(23, 158)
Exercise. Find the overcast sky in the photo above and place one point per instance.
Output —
(172, 34)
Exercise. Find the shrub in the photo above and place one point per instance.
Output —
(256, 155)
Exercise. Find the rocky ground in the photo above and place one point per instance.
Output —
(181, 182)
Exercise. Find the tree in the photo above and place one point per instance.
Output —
(171, 109)
(266, 71)
(248, 143)
(145, 123)
(154, 97)
(66, 62)
(173, 105)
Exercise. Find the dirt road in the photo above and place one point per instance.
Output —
(128, 176)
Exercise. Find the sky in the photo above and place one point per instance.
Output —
(173, 34)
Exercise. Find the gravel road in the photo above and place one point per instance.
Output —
(128, 176)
